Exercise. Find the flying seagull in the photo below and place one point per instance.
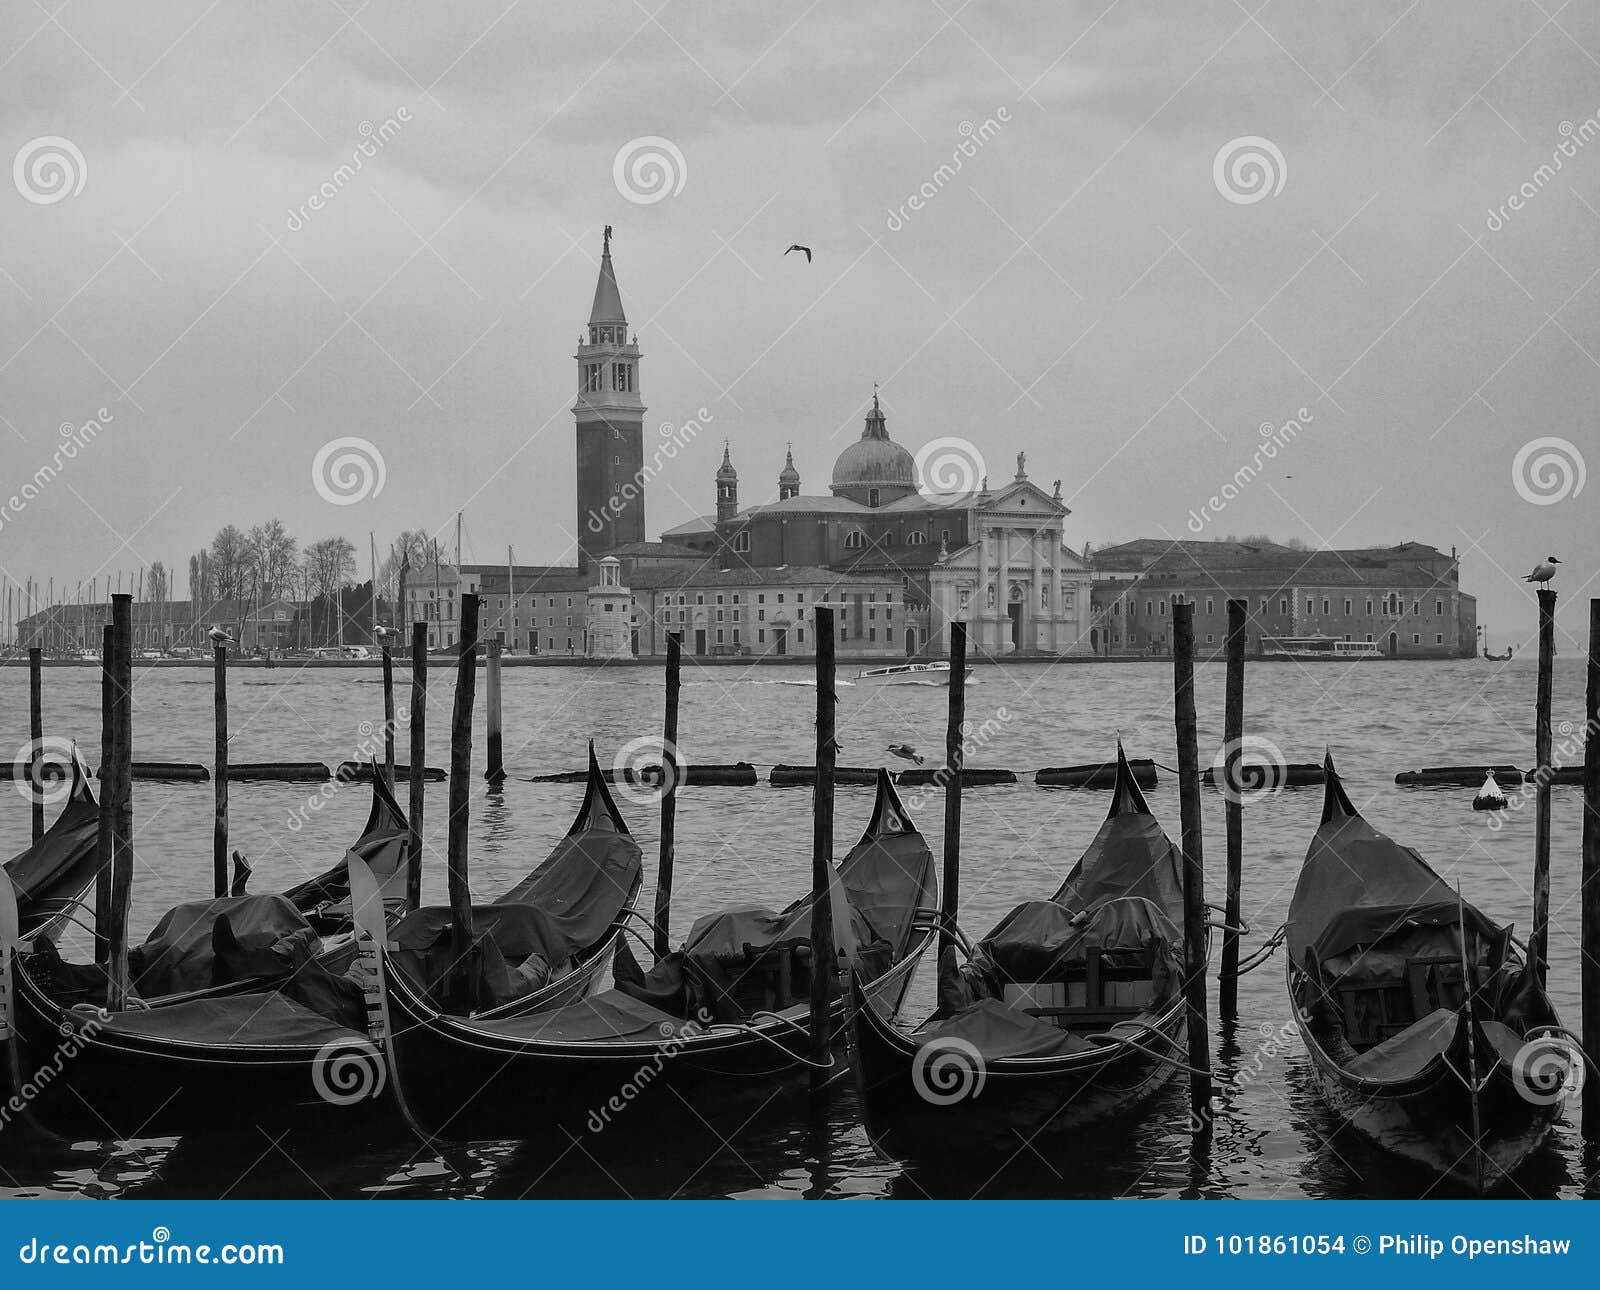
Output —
(907, 752)
(1542, 573)
(219, 636)
(798, 247)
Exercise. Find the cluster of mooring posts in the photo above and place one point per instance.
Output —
(114, 859)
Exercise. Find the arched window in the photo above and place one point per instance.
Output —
(916, 538)
(854, 540)
(741, 541)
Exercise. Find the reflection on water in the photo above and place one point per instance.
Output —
(1272, 1136)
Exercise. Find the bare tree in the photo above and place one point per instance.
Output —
(274, 553)
(329, 565)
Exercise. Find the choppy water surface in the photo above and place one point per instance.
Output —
(753, 845)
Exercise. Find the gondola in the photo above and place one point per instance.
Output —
(726, 1015)
(1069, 1013)
(51, 876)
(1428, 1032)
(283, 1040)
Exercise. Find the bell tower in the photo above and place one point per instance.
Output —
(727, 488)
(610, 425)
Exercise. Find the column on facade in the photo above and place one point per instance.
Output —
(979, 613)
(1039, 603)
(1059, 638)
(1002, 594)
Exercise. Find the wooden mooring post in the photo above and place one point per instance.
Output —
(1233, 809)
(107, 824)
(822, 956)
(388, 716)
(1194, 873)
(669, 798)
(495, 770)
(461, 929)
(120, 795)
(1589, 936)
(416, 780)
(954, 757)
(36, 728)
(1539, 935)
(219, 772)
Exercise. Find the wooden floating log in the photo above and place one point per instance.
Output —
(1265, 775)
(190, 771)
(1457, 776)
(784, 776)
(971, 776)
(1095, 775)
(294, 772)
(360, 772)
(741, 774)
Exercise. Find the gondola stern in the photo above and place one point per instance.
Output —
(1336, 802)
(1127, 798)
(599, 809)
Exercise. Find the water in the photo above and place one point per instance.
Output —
(753, 844)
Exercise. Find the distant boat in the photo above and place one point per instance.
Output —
(936, 673)
(1317, 647)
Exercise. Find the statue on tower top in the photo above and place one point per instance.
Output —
(607, 248)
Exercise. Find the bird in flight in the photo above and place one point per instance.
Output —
(907, 752)
(220, 637)
(1542, 573)
(798, 247)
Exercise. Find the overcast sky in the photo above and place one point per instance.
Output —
(1083, 288)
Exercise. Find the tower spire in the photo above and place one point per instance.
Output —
(607, 306)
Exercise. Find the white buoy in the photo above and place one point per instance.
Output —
(1489, 797)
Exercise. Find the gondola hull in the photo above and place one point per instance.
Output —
(466, 1081)
(927, 1103)
(1428, 1120)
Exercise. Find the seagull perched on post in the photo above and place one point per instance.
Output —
(1542, 573)
(219, 636)
(383, 634)
(805, 249)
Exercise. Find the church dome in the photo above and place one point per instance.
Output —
(874, 461)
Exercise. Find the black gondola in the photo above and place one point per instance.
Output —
(727, 1014)
(1427, 1030)
(1068, 1013)
(51, 876)
(284, 1040)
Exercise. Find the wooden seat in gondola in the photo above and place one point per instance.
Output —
(1108, 986)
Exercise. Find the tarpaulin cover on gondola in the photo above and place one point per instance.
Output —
(517, 949)
(1041, 940)
(204, 943)
(268, 1020)
(585, 884)
(58, 868)
(1359, 885)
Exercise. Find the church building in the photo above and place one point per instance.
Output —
(896, 563)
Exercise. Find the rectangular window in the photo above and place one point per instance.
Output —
(1347, 603)
(1210, 608)
(1283, 605)
(761, 636)
(1324, 604)
(1416, 638)
(1369, 606)
(591, 378)
(622, 377)
(1438, 607)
